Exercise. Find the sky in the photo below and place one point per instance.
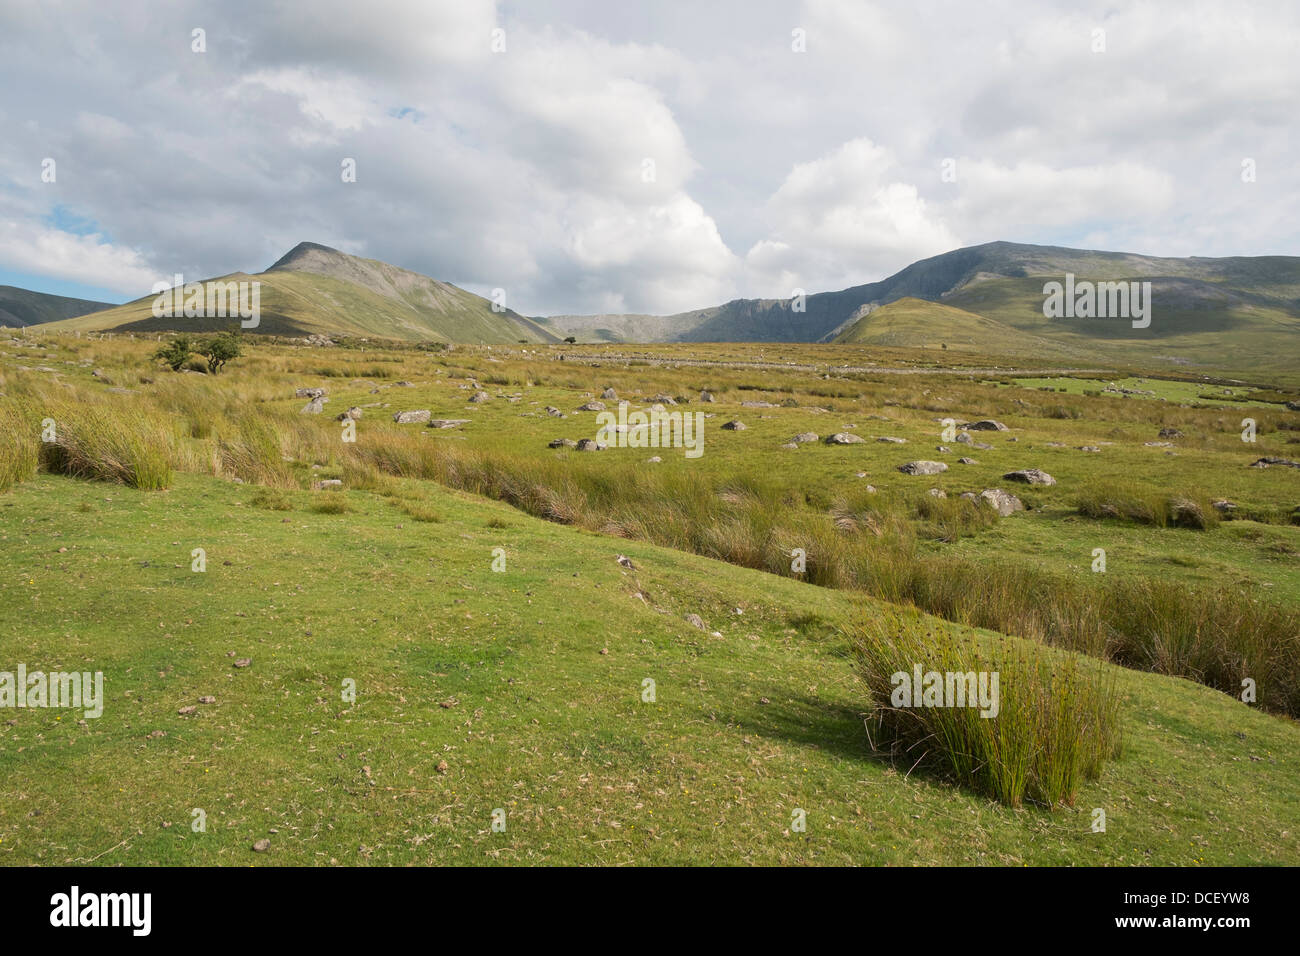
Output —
(594, 157)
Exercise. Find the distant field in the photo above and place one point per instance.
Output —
(1192, 393)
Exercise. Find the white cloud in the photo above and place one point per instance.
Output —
(88, 260)
(523, 169)
(842, 217)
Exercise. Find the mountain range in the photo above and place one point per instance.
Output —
(987, 298)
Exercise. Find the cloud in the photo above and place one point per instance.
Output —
(86, 259)
(525, 169)
(840, 217)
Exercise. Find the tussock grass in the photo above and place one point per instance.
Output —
(1146, 505)
(1057, 720)
(122, 443)
(253, 451)
(19, 445)
(327, 503)
(272, 500)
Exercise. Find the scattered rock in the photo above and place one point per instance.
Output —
(315, 406)
(1270, 462)
(938, 493)
(1224, 505)
(1092, 448)
(590, 444)
(1030, 476)
(626, 562)
(1170, 433)
(1159, 444)
(696, 621)
(891, 440)
(662, 399)
(591, 407)
(655, 460)
(243, 662)
(844, 438)
(187, 710)
(923, 468)
(803, 438)
(207, 700)
(706, 396)
(326, 483)
(554, 412)
(734, 426)
(986, 425)
(354, 413)
(262, 845)
(478, 398)
(441, 767)
(562, 443)
(415, 417)
(447, 422)
(609, 395)
(309, 393)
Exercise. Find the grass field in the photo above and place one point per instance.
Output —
(522, 689)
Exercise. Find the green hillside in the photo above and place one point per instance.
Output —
(318, 290)
(22, 307)
(917, 323)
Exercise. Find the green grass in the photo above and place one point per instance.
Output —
(391, 586)
(746, 728)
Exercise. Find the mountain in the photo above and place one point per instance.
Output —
(314, 289)
(20, 307)
(1245, 309)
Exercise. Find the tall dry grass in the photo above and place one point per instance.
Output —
(1057, 717)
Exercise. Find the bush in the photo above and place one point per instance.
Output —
(219, 349)
(176, 352)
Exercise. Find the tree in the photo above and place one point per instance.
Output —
(176, 352)
(571, 340)
(219, 349)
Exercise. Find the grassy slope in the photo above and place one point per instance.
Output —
(918, 323)
(300, 303)
(1264, 338)
(545, 725)
(21, 307)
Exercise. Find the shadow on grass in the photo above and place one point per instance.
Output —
(823, 725)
